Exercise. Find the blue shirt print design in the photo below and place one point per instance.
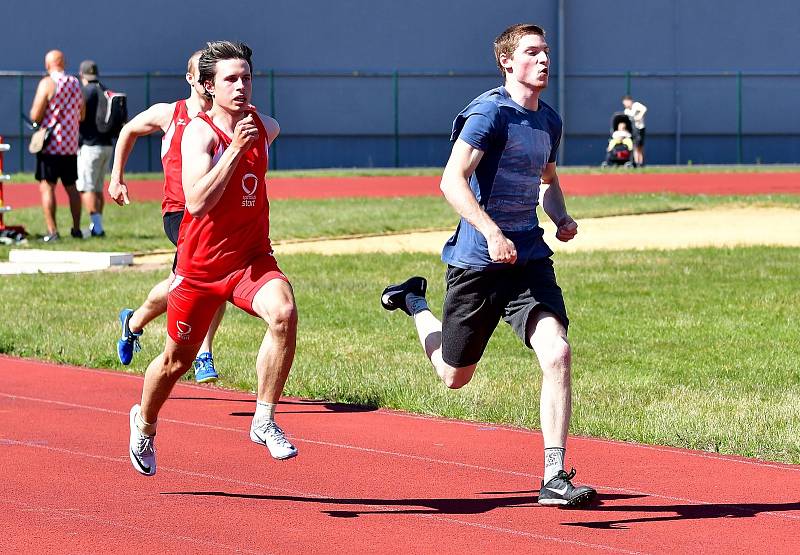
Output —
(517, 144)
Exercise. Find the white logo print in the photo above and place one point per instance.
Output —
(184, 330)
(249, 185)
(561, 491)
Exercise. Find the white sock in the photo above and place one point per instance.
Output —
(144, 427)
(264, 412)
(553, 462)
(97, 222)
(416, 304)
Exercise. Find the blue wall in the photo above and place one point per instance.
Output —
(349, 121)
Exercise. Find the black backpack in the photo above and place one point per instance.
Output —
(112, 111)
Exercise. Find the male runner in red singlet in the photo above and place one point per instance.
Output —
(172, 119)
(224, 253)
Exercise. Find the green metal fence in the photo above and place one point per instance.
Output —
(581, 121)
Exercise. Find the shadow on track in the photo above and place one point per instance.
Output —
(426, 506)
(324, 406)
(686, 512)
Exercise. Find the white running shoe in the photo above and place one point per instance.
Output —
(270, 434)
(142, 448)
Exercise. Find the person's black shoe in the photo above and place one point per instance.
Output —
(94, 233)
(76, 233)
(394, 296)
(560, 491)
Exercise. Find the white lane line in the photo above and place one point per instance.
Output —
(400, 414)
(572, 439)
(116, 524)
(321, 498)
(293, 437)
(731, 506)
(533, 536)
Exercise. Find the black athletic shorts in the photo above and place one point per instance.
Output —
(172, 225)
(476, 300)
(638, 136)
(52, 167)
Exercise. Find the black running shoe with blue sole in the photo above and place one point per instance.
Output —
(394, 296)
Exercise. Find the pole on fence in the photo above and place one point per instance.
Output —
(396, 95)
(677, 135)
(562, 78)
(21, 127)
(3, 208)
(628, 82)
(739, 156)
(149, 137)
(274, 157)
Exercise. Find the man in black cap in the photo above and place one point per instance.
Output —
(95, 151)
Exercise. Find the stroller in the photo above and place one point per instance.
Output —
(620, 145)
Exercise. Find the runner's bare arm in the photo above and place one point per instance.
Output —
(156, 118)
(204, 181)
(44, 92)
(455, 186)
(272, 127)
(554, 206)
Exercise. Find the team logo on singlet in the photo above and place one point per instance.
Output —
(249, 185)
(184, 330)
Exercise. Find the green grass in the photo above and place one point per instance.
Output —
(138, 227)
(591, 170)
(692, 348)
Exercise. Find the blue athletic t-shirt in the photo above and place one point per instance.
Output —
(517, 144)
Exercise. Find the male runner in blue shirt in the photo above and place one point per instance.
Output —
(505, 145)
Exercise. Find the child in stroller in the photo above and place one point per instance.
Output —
(619, 151)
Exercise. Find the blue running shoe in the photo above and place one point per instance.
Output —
(204, 371)
(129, 342)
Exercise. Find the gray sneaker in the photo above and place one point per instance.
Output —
(268, 433)
(560, 491)
(142, 447)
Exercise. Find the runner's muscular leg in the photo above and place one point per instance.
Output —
(548, 337)
(275, 304)
(208, 341)
(162, 374)
(154, 306)
(429, 330)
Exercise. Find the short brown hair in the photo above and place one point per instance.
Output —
(221, 50)
(507, 41)
(191, 64)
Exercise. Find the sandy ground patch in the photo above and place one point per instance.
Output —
(670, 230)
(724, 227)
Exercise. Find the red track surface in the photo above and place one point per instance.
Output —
(21, 195)
(364, 482)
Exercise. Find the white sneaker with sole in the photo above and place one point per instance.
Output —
(142, 447)
(269, 433)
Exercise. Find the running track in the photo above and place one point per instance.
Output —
(365, 481)
(22, 195)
